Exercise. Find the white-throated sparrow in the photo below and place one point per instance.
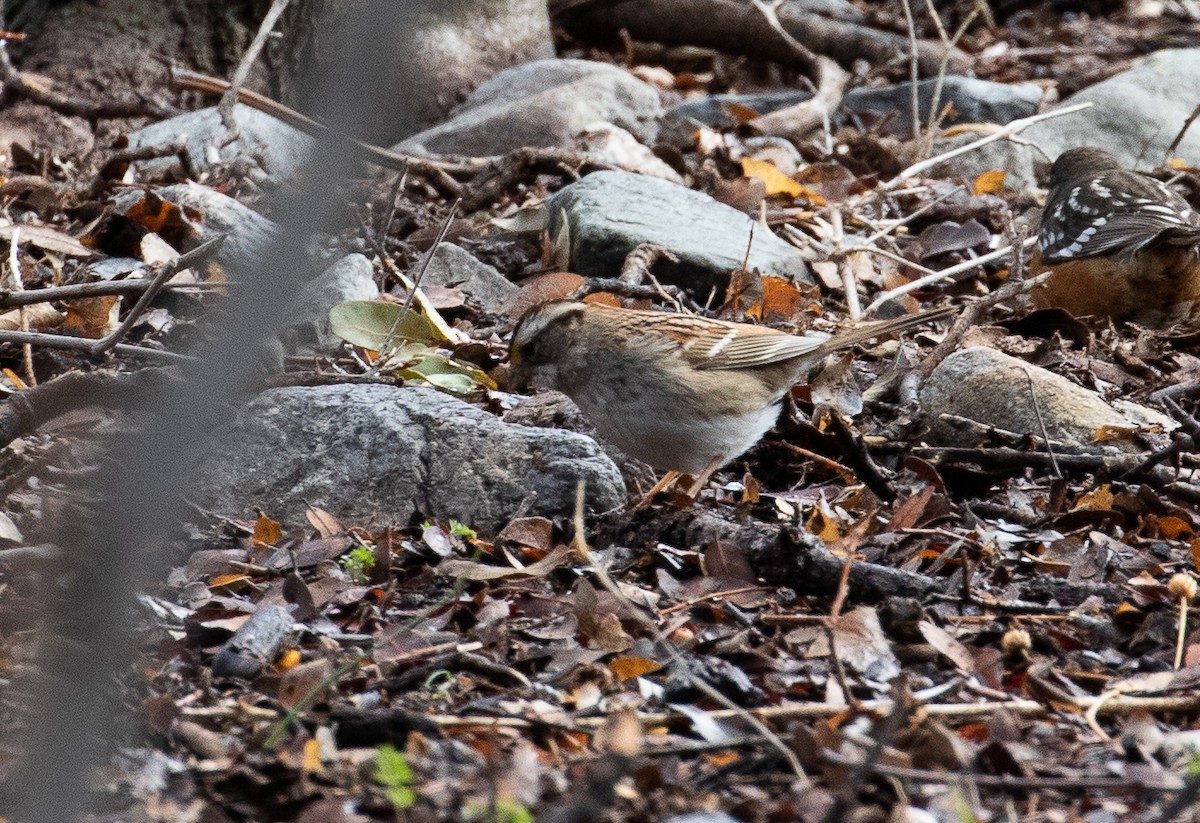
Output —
(683, 393)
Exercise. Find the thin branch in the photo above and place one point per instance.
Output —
(1002, 133)
(196, 256)
(226, 106)
(946, 274)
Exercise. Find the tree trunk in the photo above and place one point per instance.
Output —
(461, 45)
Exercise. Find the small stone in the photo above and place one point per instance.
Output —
(351, 278)
(997, 390)
(609, 213)
(543, 104)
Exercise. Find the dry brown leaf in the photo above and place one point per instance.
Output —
(39, 316)
(325, 524)
(532, 532)
(49, 239)
(468, 570)
(92, 318)
(622, 735)
(955, 652)
(298, 681)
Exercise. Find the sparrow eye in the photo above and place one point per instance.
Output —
(531, 351)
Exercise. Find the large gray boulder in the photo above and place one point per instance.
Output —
(386, 454)
(1135, 114)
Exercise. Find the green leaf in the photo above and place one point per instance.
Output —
(462, 530)
(377, 324)
(444, 373)
(394, 774)
(359, 563)
(453, 383)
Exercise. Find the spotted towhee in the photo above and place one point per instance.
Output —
(1119, 243)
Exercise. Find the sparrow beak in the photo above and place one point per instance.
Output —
(519, 376)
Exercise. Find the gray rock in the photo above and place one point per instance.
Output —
(974, 101)
(268, 146)
(610, 145)
(351, 278)
(455, 267)
(375, 451)
(247, 233)
(542, 104)
(610, 212)
(1019, 164)
(454, 44)
(994, 389)
(554, 410)
(1135, 114)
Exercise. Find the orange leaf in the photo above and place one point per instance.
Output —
(312, 755)
(781, 297)
(1126, 609)
(626, 668)
(1108, 433)
(227, 580)
(289, 659)
(1173, 528)
(1101, 498)
(989, 182)
(776, 182)
(267, 532)
(740, 113)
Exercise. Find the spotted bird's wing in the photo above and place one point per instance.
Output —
(1118, 212)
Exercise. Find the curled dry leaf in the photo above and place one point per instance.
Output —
(40, 316)
(92, 318)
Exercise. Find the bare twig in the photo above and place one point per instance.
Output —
(1001, 133)
(1187, 124)
(226, 106)
(196, 256)
(62, 341)
(913, 72)
(14, 270)
(79, 291)
(952, 271)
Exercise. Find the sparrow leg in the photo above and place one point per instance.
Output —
(665, 483)
(712, 466)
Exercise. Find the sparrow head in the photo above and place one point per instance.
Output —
(1081, 163)
(538, 343)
